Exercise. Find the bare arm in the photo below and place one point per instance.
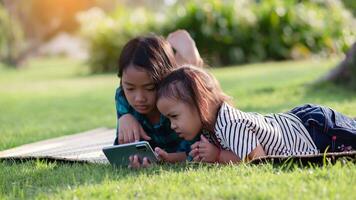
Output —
(228, 156)
(170, 157)
(256, 153)
(128, 128)
(176, 157)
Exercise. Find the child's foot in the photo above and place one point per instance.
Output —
(186, 51)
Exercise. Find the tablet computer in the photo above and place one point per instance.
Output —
(118, 155)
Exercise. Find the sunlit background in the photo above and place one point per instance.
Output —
(58, 60)
(226, 32)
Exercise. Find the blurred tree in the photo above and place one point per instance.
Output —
(254, 31)
(351, 5)
(345, 72)
(42, 19)
(11, 38)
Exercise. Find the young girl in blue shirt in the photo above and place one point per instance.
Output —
(193, 101)
(142, 64)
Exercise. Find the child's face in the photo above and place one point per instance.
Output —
(185, 119)
(139, 90)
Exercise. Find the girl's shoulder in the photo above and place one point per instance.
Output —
(227, 108)
(227, 115)
(228, 112)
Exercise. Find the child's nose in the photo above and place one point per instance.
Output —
(173, 126)
(139, 97)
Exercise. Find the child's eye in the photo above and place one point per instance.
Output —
(129, 89)
(151, 89)
(174, 116)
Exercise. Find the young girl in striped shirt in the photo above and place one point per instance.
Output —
(193, 101)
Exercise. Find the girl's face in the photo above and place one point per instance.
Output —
(185, 119)
(139, 90)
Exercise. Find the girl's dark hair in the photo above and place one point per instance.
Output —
(195, 87)
(151, 53)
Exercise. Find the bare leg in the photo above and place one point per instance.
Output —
(186, 50)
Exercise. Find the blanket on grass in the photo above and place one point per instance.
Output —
(81, 147)
(87, 147)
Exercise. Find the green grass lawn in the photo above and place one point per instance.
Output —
(54, 97)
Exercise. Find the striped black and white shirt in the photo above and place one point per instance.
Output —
(278, 134)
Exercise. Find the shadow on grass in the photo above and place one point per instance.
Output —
(322, 94)
(329, 93)
(37, 177)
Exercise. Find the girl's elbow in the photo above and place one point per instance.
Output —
(257, 153)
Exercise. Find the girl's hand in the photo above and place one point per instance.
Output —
(169, 157)
(195, 152)
(130, 130)
(186, 51)
(136, 164)
(204, 151)
(162, 154)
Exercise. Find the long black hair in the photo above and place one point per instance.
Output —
(151, 53)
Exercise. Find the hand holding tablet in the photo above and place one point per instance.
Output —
(118, 155)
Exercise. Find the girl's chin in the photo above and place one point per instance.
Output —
(188, 137)
(144, 111)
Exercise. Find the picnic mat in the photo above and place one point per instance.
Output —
(87, 147)
(81, 147)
